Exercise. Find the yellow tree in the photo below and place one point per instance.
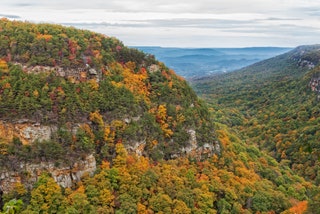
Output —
(46, 197)
(161, 203)
(163, 120)
(121, 159)
(136, 82)
(179, 207)
(4, 66)
(96, 118)
(78, 202)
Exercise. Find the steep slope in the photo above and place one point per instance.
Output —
(274, 104)
(67, 93)
(62, 75)
(91, 126)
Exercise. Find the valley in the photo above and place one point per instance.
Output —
(193, 63)
(274, 105)
(89, 125)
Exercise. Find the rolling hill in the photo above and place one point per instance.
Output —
(200, 62)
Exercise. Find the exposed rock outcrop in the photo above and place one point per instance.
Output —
(65, 175)
(199, 152)
(153, 68)
(193, 149)
(137, 147)
(26, 172)
(315, 84)
(306, 56)
(82, 73)
(26, 131)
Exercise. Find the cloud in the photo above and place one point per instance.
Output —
(182, 23)
(24, 5)
(10, 16)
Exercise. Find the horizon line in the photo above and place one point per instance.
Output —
(185, 47)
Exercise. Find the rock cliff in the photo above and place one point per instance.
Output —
(28, 172)
(64, 175)
(27, 131)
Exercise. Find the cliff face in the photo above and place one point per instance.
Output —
(28, 172)
(306, 56)
(67, 174)
(201, 152)
(64, 175)
(27, 131)
(315, 84)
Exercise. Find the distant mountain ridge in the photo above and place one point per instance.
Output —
(88, 125)
(199, 62)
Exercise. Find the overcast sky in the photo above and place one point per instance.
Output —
(187, 23)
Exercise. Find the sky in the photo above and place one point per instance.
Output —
(176, 23)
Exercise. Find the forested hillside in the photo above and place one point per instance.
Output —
(59, 75)
(275, 105)
(88, 125)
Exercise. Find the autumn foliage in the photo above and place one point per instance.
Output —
(157, 147)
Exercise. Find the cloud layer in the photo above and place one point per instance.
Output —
(188, 23)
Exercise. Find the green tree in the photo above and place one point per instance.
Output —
(261, 201)
(161, 203)
(13, 206)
